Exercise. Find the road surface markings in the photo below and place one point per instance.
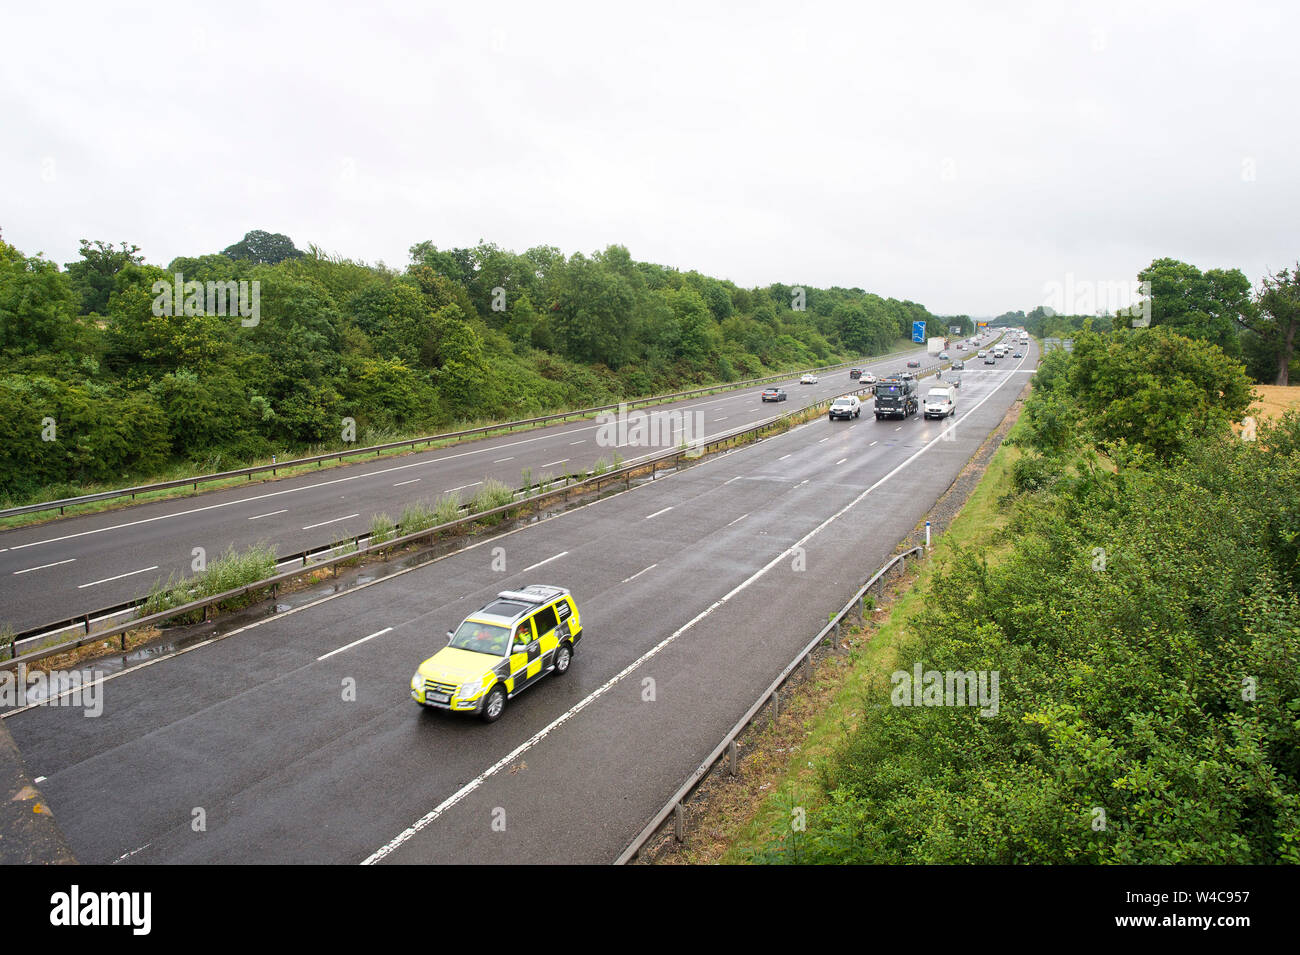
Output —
(283, 510)
(547, 561)
(462, 487)
(554, 463)
(823, 440)
(736, 478)
(657, 513)
(333, 520)
(354, 643)
(873, 444)
(95, 583)
(784, 456)
(639, 573)
(572, 443)
(39, 779)
(510, 758)
(899, 428)
(841, 461)
(724, 418)
(403, 483)
(43, 566)
(740, 518)
(503, 460)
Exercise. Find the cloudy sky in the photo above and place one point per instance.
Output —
(962, 158)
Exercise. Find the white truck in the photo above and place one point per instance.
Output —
(935, 345)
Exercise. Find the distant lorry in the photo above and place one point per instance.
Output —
(896, 396)
(935, 345)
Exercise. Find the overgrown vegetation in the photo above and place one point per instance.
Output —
(1143, 614)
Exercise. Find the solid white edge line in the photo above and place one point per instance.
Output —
(377, 633)
(269, 514)
(429, 817)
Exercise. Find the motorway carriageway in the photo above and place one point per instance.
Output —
(62, 568)
(690, 602)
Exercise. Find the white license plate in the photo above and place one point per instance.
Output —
(437, 697)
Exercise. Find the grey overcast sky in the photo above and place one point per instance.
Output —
(963, 156)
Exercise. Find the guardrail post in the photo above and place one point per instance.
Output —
(679, 822)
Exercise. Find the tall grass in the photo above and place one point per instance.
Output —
(231, 570)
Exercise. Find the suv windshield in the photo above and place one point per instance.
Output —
(843, 402)
(481, 638)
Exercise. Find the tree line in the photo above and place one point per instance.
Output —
(97, 386)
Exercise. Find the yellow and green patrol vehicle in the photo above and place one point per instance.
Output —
(501, 650)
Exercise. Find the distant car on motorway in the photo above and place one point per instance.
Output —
(982, 354)
(943, 356)
(990, 360)
(855, 373)
(808, 379)
(847, 406)
(499, 650)
(914, 363)
(958, 365)
(867, 378)
(1018, 355)
(774, 394)
(954, 380)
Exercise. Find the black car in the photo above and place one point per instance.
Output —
(774, 394)
(1017, 355)
(958, 365)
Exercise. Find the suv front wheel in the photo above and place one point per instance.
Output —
(495, 704)
(563, 657)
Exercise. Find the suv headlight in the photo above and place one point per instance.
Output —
(417, 681)
(467, 690)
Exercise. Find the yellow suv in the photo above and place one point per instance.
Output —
(499, 651)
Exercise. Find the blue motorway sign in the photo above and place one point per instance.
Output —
(918, 332)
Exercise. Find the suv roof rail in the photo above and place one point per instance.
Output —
(533, 593)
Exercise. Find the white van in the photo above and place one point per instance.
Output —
(940, 402)
(847, 406)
